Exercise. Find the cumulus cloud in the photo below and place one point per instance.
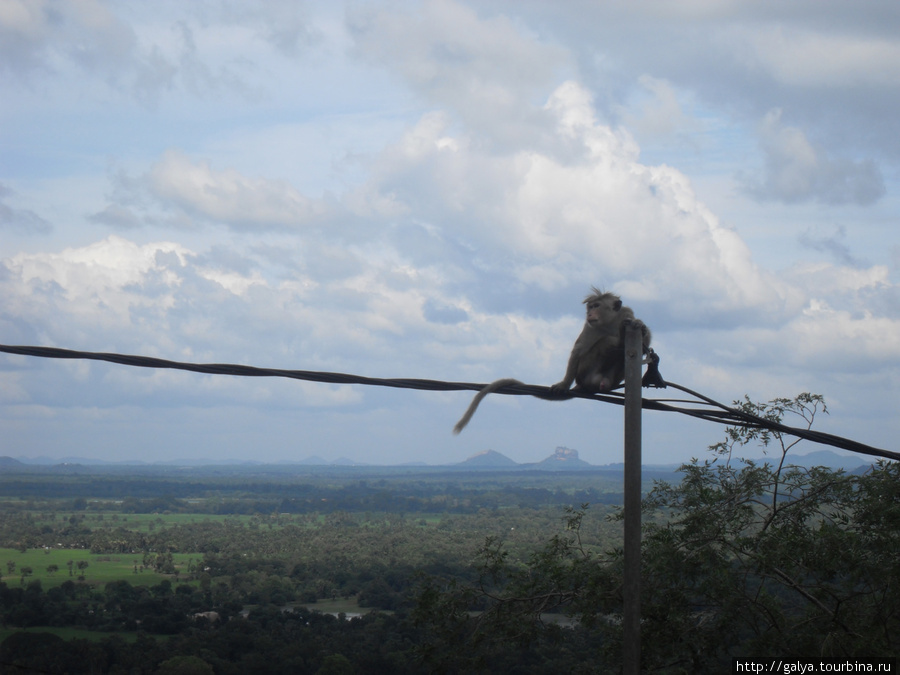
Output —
(99, 282)
(484, 68)
(834, 67)
(580, 210)
(796, 170)
(835, 245)
(21, 220)
(846, 286)
(585, 210)
(285, 25)
(46, 35)
(140, 57)
(181, 192)
(817, 339)
(808, 58)
(118, 217)
(227, 196)
(658, 111)
(23, 31)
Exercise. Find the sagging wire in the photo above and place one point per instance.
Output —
(717, 412)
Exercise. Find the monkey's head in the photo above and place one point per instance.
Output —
(601, 307)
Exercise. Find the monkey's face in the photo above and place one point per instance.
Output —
(600, 312)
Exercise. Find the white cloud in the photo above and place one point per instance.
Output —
(109, 264)
(817, 340)
(795, 170)
(585, 208)
(658, 110)
(832, 66)
(183, 192)
(803, 57)
(286, 25)
(835, 244)
(23, 220)
(485, 69)
(117, 216)
(48, 35)
(122, 49)
(94, 287)
(24, 26)
(825, 280)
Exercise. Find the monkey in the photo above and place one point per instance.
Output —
(597, 361)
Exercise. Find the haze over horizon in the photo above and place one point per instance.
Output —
(561, 459)
(428, 190)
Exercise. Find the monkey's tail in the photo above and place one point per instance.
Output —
(473, 406)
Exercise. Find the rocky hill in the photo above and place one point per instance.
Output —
(488, 459)
(564, 459)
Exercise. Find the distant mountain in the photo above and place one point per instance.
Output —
(52, 461)
(564, 459)
(828, 458)
(313, 460)
(488, 459)
(343, 461)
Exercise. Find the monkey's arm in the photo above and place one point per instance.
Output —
(646, 335)
(566, 383)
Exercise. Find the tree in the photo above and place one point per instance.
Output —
(741, 558)
(25, 571)
(39, 652)
(185, 665)
(763, 558)
(336, 664)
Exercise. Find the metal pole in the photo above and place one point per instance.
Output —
(631, 653)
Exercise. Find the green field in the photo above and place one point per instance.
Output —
(137, 522)
(102, 568)
(145, 522)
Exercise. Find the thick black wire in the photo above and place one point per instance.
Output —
(719, 413)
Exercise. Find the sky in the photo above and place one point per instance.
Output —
(429, 190)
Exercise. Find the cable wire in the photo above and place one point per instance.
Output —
(718, 413)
